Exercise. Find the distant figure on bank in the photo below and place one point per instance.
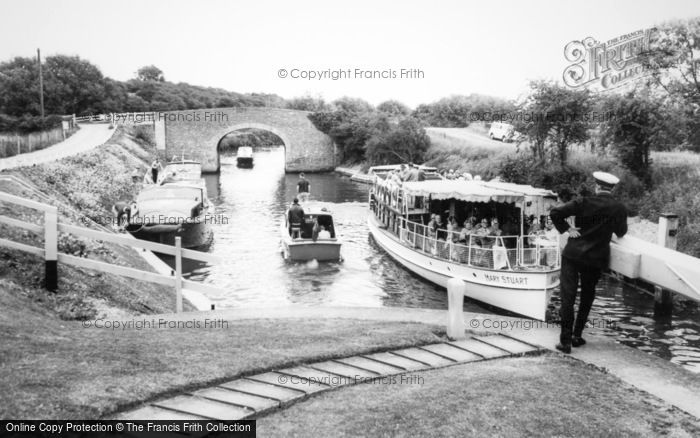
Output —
(122, 213)
(136, 175)
(586, 253)
(303, 187)
(295, 216)
(156, 167)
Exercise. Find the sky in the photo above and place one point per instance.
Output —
(444, 47)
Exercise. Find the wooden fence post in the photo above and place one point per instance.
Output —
(178, 274)
(455, 303)
(666, 236)
(51, 248)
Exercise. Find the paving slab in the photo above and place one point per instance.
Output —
(341, 369)
(484, 350)
(155, 413)
(285, 381)
(203, 407)
(241, 399)
(424, 356)
(371, 365)
(398, 361)
(454, 353)
(260, 389)
(309, 376)
(509, 344)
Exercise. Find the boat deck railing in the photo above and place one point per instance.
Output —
(511, 253)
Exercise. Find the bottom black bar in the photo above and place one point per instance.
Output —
(112, 428)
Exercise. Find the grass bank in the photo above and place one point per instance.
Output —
(83, 187)
(53, 369)
(548, 395)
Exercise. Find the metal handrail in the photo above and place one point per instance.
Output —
(421, 237)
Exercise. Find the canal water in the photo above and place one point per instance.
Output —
(254, 274)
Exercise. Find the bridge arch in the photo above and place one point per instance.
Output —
(196, 134)
(247, 125)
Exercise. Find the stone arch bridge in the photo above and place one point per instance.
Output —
(197, 133)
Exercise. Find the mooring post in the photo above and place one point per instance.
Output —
(666, 237)
(51, 248)
(455, 304)
(178, 274)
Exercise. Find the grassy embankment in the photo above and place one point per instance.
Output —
(546, 396)
(675, 177)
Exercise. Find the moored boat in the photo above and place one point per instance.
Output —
(315, 239)
(175, 206)
(244, 156)
(504, 268)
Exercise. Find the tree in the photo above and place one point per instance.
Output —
(394, 108)
(405, 142)
(308, 103)
(19, 87)
(150, 73)
(672, 61)
(636, 122)
(554, 117)
(352, 105)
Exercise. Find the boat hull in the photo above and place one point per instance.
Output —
(307, 249)
(192, 234)
(246, 162)
(524, 293)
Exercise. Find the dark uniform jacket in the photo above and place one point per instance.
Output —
(597, 217)
(296, 214)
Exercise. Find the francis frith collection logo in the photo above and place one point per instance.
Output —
(606, 65)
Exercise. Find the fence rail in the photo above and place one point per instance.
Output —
(52, 257)
(16, 144)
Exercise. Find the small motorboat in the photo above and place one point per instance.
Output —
(315, 239)
(244, 156)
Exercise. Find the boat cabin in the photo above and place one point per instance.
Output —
(491, 219)
(311, 215)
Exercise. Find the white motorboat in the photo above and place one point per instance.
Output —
(308, 242)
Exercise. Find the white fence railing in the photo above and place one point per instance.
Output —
(478, 249)
(51, 255)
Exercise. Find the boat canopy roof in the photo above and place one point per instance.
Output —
(244, 151)
(477, 191)
(183, 170)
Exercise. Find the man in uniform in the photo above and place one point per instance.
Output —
(303, 187)
(587, 252)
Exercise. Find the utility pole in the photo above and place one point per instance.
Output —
(41, 85)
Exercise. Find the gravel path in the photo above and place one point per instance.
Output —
(85, 139)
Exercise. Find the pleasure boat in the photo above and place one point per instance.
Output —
(307, 242)
(175, 206)
(244, 156)
(501, 267)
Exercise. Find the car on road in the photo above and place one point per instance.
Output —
(503, 131)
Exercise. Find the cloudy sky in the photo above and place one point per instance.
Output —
(460, 47)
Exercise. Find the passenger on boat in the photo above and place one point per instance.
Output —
(468, 230)
(548, 241)
(452, 229)
(323, 233)
(295, 217)
(156, 167)
(303, 188)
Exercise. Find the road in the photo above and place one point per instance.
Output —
(88, 137)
